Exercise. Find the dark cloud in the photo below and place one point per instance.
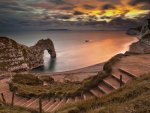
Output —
(38, 14)
(89, 7)
(65, 17)
(11, 6)
(107, 6)
(67, 7)
(135, 2)
(78, 13)
(58, 2)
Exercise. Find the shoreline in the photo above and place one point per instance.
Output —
(74, 75)
(92, 68)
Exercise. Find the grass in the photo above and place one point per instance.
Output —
(108, 65)
(26, 79)
(28, 85)
(55, 89)
(132, 98)
(10, 109)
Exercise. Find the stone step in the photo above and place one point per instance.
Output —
(96, 92)
(4, 87)
(60, 104)
(28, 102)
(128, 73)
(8, 96)
(87, 95)
(70, 100)
(77, 99)
(117, 77)
(47, 105)
(105, 88)
(17, 99)
(21, 102)
(45, 102)
(53, 105)
(125, 78)
(35, 104)
(112, 82)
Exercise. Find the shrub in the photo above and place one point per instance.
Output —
(108, 65)
(26, 79)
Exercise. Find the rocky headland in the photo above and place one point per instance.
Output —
(15, 57)
(140, 47)
(134, 31)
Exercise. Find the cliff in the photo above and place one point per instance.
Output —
(134, 31)
(142, 46)
(15, 57)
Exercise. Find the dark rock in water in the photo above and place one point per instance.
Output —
(134, 31)
(87, 40)
(16, 57)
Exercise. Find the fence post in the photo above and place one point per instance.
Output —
(121, 80)
(40, 105)
(3, 98)
(13, 97)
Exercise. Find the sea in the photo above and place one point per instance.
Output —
(76, 49)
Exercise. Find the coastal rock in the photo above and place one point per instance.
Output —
(16, 57)
(134, 31)
(142, 46)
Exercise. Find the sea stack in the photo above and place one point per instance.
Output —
(15, 57)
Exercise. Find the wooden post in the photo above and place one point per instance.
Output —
(121, 80)
(3, 98)
(13, 97)
(40, 105)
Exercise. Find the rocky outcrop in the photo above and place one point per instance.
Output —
(142, 46)
(16, 57)
(134, 31)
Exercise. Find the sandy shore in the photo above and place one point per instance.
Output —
(75, 75)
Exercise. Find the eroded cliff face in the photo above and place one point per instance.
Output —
(17, 57)
(142, 46)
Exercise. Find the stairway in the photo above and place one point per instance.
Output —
(108, 85)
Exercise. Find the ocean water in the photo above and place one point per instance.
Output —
(73, 52)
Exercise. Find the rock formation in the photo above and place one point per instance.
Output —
(134, 31)
(142, 46)
(16, 57)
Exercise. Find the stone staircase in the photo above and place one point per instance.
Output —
(108, 85)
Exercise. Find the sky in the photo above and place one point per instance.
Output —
(29, 15)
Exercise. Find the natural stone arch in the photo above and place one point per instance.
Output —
(38, 52)
(46, 44)
(16, 57)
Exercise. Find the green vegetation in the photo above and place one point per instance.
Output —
(10, 109)
(26, 79)
(132, 98)
(28, 85)
(108, 65)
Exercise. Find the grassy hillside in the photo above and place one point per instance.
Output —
(9, 109)
(28, 85)
(132, 98)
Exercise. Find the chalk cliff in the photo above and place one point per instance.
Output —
(16, 57)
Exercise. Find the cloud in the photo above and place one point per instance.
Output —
(89, 7)
(11, 6)
(39, 14)
(67, 8)
(136, 2)
(58, 2)
(108, 6)
(78, 13)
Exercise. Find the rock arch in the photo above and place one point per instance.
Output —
(18, 57)
(45, 44)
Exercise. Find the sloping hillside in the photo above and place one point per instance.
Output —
(132, 98)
